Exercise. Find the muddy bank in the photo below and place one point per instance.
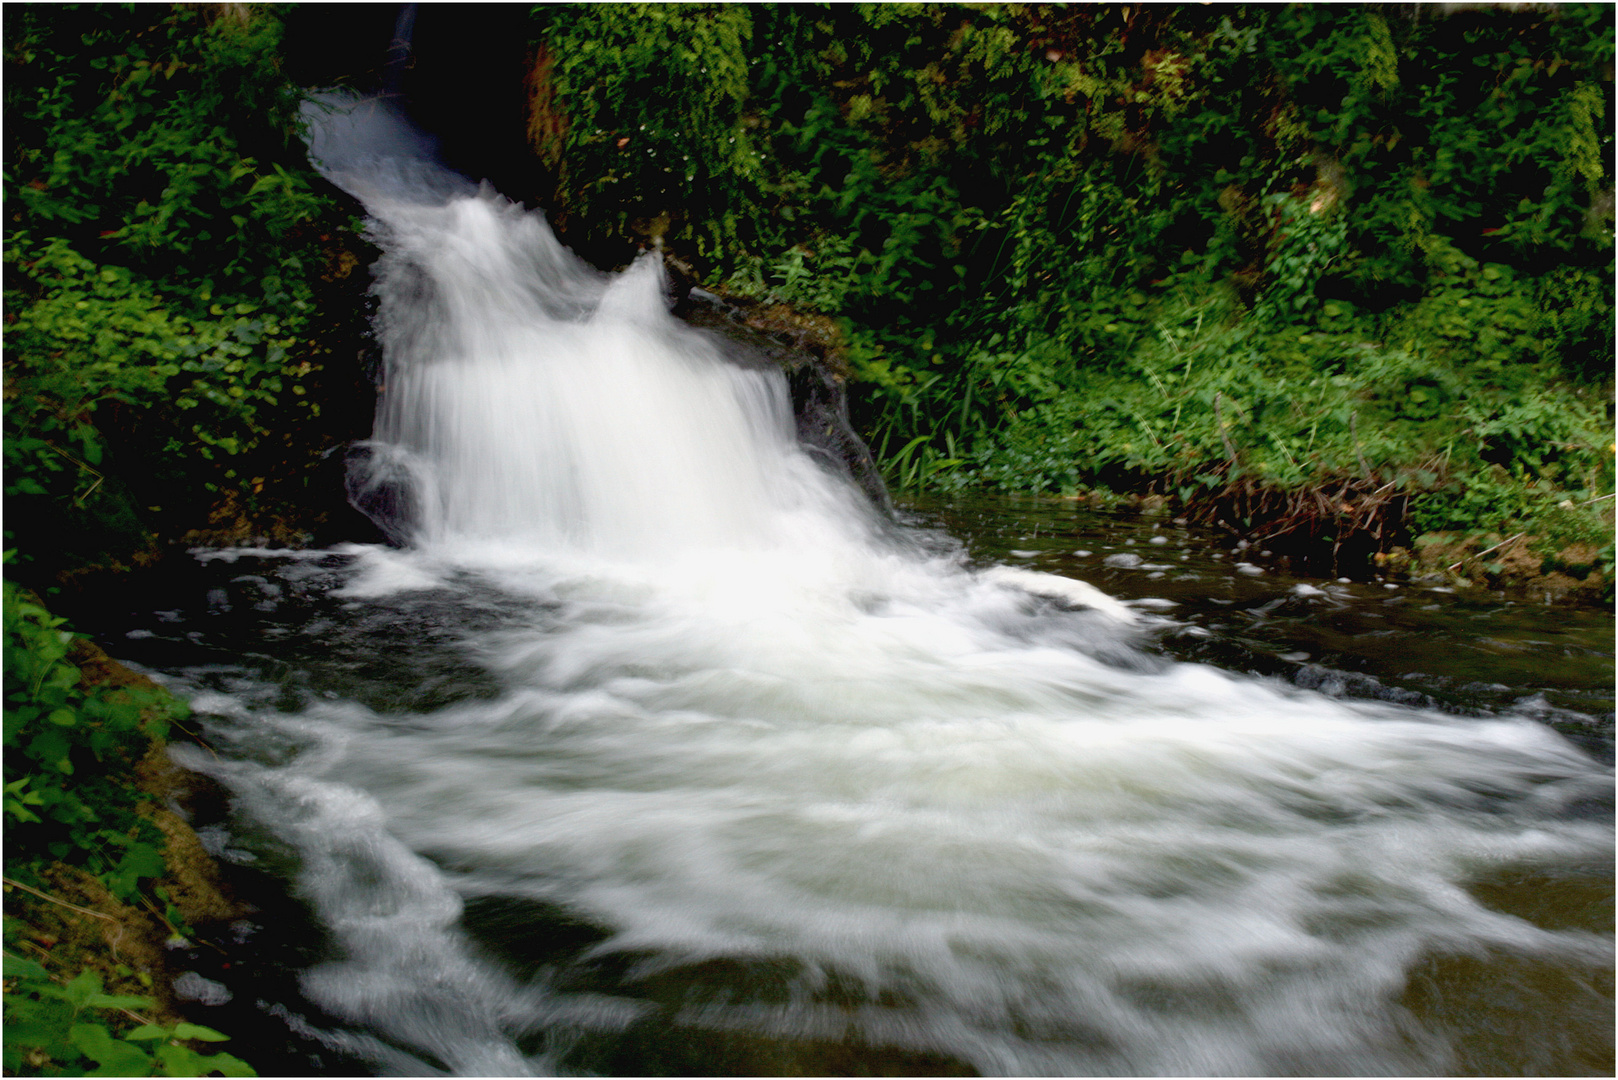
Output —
(1535, 567)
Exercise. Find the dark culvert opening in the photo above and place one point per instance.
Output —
(459, 70)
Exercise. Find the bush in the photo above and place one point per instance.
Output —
(57, 1028)
(70, 753)
(159, 269)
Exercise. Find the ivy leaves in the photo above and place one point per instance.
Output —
(86, 337)
(157, 273)
(128, 125)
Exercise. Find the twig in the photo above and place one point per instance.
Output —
(54, 900)
(174, 929)
(1354, 433)
(1486, 550)
(198, 739)
(1219, 422)
(78, 500)
(118, 927)
(36, 946)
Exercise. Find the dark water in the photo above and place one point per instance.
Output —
(398, 933)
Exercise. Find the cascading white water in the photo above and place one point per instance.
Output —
(536, 400)
(908, 807)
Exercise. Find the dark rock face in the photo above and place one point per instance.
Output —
(378, 485)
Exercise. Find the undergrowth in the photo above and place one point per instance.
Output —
(72, 806)
(56, 1027)
(70, 754)
(1270, 262)
(162, 253)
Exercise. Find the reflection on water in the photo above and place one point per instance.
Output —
(1418, 643)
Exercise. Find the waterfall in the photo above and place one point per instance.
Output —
(530, 397)
(733, 767)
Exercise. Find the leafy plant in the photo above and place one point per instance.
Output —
(650, 137)
(70, 750)
(161, 250)
(98, 336)
(72, 1028)
(145, 135)
(69, 755)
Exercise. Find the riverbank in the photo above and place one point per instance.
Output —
(1548, 568)
(1192, 254)
(108, 888)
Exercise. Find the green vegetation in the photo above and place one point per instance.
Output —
(71, 802)
(73, 1029)
(69, 753)
(652, 117)
(160, 270)
(1271, 262)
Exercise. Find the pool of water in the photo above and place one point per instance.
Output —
(502, 820)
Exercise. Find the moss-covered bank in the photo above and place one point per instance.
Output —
(104, 877)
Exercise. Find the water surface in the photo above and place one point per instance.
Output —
(552, 824)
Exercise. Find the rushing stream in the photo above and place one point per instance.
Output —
(658, 751)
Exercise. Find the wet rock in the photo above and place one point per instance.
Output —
(802, 347)
(379, 484)
(190, 986)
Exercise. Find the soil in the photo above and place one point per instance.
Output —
(1514, 564)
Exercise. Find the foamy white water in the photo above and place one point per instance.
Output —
(908, 808)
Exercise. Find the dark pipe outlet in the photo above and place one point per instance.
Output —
(465, 83)
(459, 70)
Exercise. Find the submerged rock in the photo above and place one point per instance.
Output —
(379, 485)
(1071, 591)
